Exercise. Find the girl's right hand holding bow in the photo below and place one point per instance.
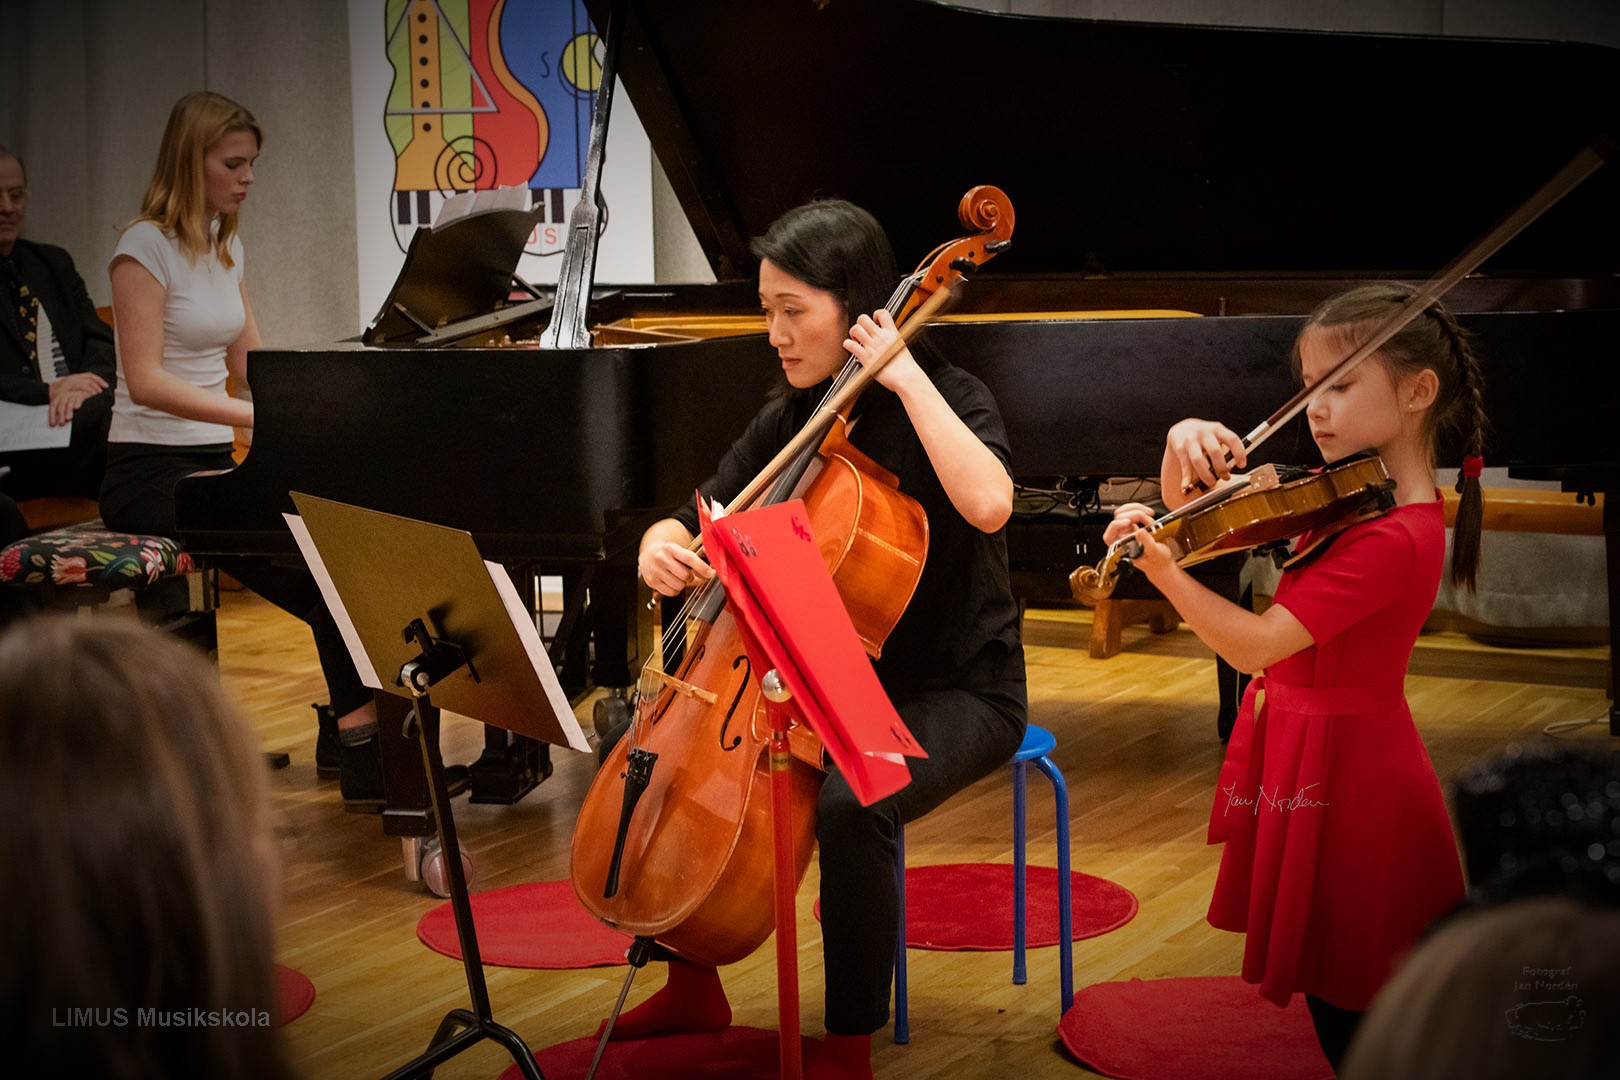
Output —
(1196, 453)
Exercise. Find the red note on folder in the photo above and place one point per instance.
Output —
(785, 600)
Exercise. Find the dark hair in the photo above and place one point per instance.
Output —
(1542, 820)
(6, 151)
(137, 830)
(833, 245)
(1433, 340)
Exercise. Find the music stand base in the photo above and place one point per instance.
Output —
(476, 1024)
(473, 1030)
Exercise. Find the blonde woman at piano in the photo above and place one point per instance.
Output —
(183, 324)
(954, 664)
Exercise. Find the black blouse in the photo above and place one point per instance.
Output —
(963, 605)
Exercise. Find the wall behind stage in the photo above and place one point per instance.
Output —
(85, 93)
(86, 86)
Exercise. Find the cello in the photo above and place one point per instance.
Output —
(673, 841)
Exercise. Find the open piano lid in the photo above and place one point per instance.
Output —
(457, 275)
(1125, 147)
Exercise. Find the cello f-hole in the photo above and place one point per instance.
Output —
(748, 671)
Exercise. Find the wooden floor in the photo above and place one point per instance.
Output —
(1136, 740)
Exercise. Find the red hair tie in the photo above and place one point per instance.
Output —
(1471, 466)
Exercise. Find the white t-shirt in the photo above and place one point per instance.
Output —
(202, 315)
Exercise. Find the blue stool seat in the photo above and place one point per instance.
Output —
(1037, 746)
(1038, 742)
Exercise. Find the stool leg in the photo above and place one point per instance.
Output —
(1060, 795)
(1019, 973)
(902, 1022)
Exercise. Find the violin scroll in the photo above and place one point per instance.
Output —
(1089, 584)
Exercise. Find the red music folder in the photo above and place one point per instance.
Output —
(794, 621)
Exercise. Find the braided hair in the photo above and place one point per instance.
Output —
(1436, 341)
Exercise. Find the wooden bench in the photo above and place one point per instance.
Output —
(1109, 617)
(55, 511)
(1534, 510)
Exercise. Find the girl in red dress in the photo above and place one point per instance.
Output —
(1338, 848)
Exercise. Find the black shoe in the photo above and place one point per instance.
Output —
(328, 750)
(360, 778)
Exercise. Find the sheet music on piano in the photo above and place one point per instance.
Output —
(457, 278)
(466, 203)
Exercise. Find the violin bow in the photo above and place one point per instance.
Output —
(1583, 164)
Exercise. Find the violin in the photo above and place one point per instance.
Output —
(1270, 505)
(1204, 528)
(673, 841)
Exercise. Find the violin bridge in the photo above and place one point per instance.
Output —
(1265, 478)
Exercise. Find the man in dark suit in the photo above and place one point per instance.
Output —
(54, 351)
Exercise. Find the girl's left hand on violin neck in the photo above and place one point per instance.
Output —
(1155, 559)
(1128, 517)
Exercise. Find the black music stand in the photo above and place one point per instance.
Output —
(417, 602)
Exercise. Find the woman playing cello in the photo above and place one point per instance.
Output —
(953, 665)
(1338, 850)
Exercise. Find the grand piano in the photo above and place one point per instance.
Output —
(1204, 186)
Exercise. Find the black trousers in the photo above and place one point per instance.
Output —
(1335, 1027)
(968, 734)
(137, 495)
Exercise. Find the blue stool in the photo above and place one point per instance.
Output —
(1037, 746)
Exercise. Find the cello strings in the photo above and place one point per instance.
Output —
(850, 369)
(694, 597)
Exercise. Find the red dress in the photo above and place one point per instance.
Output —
(1338, 847)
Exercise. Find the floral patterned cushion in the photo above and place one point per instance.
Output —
(91, 554)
